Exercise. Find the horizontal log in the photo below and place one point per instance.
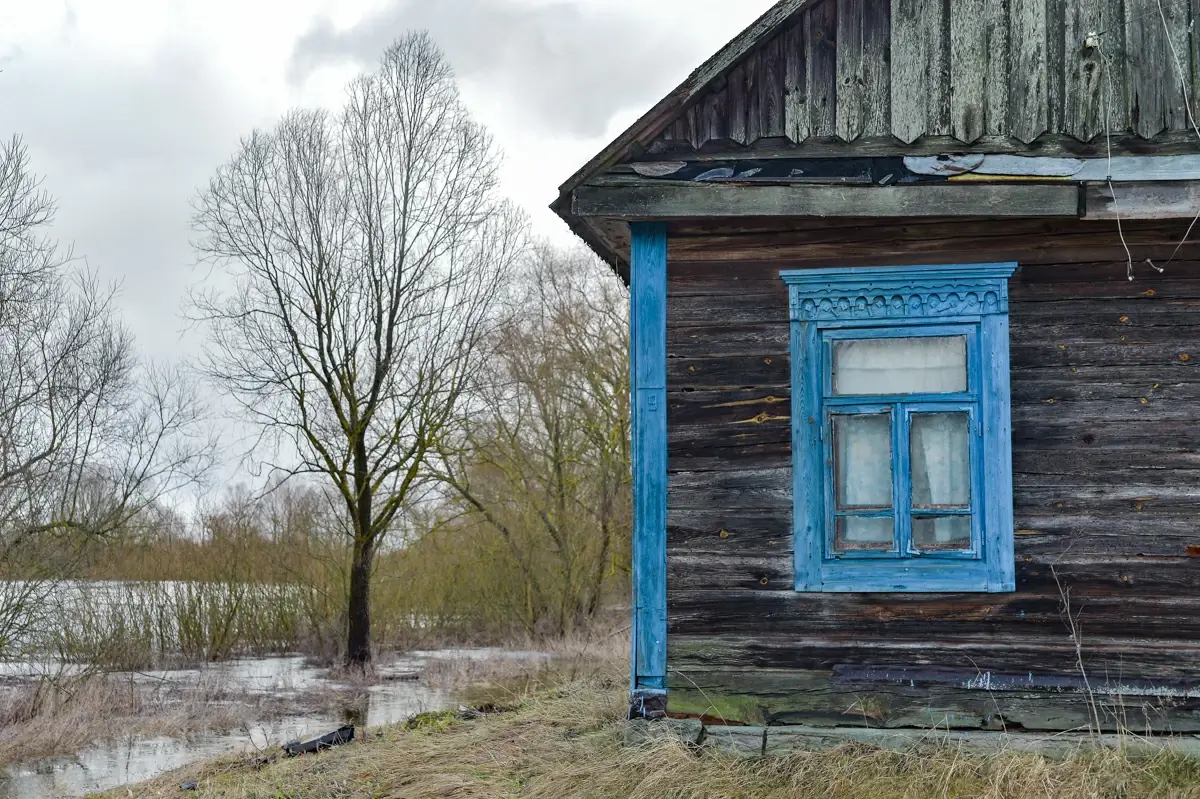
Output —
(786, 697)
(732, 308)
(1142, 200)
(713, 340)
(728, 441)
(766, 371)
(766, 489)
(1055, 657)
(661, 200)
(733, 407)
(709, 278)
(1047, 354)
(721, 530)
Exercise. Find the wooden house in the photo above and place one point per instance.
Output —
(916, 364)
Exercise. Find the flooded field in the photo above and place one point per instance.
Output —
(286, 680)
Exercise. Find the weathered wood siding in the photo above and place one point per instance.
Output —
(963, 69)
(1106, 451)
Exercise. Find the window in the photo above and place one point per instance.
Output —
(901, 432)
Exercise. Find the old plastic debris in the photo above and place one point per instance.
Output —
(189, 786)
(341, 736)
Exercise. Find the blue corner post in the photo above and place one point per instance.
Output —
(648, 363)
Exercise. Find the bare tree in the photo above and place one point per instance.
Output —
(366, 252)
(544, 464)
(88, 437)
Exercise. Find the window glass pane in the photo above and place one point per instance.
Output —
(857, 534)
(900, 366)
(947, 532)
(941, 460)
(863, 461)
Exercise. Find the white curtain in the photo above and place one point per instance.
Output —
(941, 475)
(864, 476)
(871, 367)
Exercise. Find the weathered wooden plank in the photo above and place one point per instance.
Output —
(711, 605)
(1194, 46)
(750, 65)
(707, 341)
(821, 60)
(968, 69)
(1055, 62)
(795, 83)
(701, 447)
(877, 68)
(1132, 465)
(1030, 242)
(920, 65)
(695, 457)
(738, 102)
(996, 68)
(1143, 200)
(648, 330)
(730, 372)
(1177, 34)
(1087, 87)
(851, 69)
(714, 118)
(979, 651)
(1149, 66)
(663, 201)
(771, 66)
(1057, 391)
(1169, 358)
(768, 306)
(1151, 289)
(788, 697)
(915, 229)
(1029, 91)
(739, 406)
(728, 531)
(763, 489)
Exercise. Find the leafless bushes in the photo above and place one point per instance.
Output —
(538, 514)
(88, 436)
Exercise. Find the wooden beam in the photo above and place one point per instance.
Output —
(648, 363)
(1143, 200)
(675, 201)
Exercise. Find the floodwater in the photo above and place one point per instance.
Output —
(113, 764)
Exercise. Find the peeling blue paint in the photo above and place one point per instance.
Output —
(648, 363)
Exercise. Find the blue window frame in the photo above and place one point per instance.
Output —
(901, 429)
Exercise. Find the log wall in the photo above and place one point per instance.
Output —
(1104, 629)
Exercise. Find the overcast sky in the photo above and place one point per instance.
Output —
(129, 105)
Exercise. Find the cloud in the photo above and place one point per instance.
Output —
(564, 68)
(124, 147)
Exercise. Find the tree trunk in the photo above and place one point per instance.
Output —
(358, 641)
(358, 646)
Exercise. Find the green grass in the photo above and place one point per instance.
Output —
(567, 742)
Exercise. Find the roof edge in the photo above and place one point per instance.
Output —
(657, 118)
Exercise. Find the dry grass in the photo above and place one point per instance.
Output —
(566, 742)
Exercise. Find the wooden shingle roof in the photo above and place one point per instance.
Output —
(854, 78)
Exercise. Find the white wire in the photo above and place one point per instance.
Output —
(1187, 104)
(1106, 108)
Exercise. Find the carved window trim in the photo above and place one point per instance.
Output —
(883, 302)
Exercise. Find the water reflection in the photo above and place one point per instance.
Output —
(113, 764)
